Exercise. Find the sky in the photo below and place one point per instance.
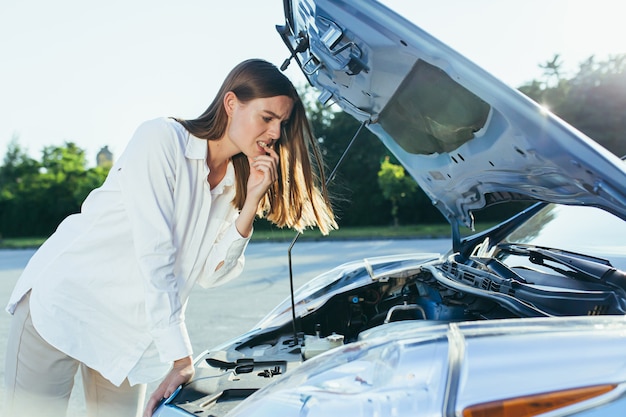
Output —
(90, 72)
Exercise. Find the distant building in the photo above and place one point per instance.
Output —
(104, 157)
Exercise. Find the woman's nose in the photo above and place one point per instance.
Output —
(274, 131)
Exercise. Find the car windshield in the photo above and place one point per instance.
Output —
(584, 230)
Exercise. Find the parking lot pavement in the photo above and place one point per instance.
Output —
(217, 315)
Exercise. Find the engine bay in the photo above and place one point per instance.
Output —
(451, 289)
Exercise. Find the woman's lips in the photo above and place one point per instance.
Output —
(264, 146)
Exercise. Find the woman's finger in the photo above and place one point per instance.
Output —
(266, 167)
(268, 172)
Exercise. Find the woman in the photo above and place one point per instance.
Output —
(106, 292)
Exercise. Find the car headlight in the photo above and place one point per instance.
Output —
(361, 379)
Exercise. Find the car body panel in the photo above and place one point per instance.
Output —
(445, 362)
(467, 139)
(480, 363)
(522, 313)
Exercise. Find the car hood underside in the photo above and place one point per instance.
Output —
(467, 139)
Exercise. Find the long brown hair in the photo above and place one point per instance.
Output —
(299, 198)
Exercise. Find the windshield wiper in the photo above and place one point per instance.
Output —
(579, 266)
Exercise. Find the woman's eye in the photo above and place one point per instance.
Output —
(267, 119)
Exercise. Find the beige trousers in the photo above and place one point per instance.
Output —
(39, 378)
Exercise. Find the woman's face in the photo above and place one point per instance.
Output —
(256, 125)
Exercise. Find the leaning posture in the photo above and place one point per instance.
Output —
(106, 293)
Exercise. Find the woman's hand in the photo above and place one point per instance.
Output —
(182, 371)
(263, 173)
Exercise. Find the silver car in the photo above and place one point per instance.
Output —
(523, 319)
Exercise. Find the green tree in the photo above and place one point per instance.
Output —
(17, 174)
(395, 185)
(357, 196)
(593, 100)
(16, 164)
(552, 70)
(64, 169)
(36, 196)
(357, 200)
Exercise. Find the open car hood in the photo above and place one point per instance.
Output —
(468, 139)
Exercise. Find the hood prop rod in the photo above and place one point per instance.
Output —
(296, 340)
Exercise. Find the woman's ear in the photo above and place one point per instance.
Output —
(230, 101)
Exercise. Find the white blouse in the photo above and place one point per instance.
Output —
(110, 286)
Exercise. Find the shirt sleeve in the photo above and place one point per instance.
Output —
(226, 260)
(146, 172)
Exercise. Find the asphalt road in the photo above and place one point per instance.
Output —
(219, 314)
